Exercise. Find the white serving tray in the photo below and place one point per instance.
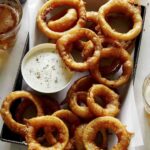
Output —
(128, 114)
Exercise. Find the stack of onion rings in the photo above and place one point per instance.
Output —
(66, 28)
(68, 137)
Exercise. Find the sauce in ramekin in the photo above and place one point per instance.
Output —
(45, 71)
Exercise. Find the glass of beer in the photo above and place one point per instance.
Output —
(10, 19)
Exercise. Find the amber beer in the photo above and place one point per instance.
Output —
(10, 17)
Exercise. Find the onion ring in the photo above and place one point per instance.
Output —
(6, 114)
(82, 84)
(124, 7)
(65, 22)
(42, 122)
(109, 96)
(70, 119)
(112, 19)
(108, 122)
(126, 62)
(81, 111)
(50, 5)
(63, 42)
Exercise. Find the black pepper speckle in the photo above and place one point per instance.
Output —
(38, 76)
(37, 60)
(56, 80)
(53, 67)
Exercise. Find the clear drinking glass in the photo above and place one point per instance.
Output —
(146, 93)
(10, 19)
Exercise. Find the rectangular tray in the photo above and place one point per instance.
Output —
(7, 135)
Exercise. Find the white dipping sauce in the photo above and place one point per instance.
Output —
(45, 72)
